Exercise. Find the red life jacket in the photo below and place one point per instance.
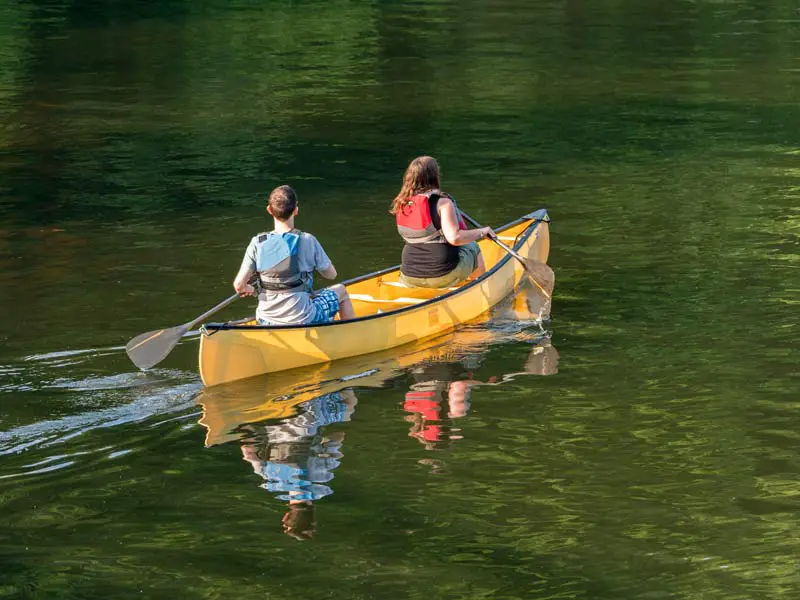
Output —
(417, 225)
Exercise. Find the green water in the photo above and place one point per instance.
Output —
(643, 443)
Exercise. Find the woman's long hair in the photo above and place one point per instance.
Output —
(422, 175)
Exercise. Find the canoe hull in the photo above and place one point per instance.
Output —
(229, 354)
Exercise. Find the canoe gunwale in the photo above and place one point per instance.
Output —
(538, 217)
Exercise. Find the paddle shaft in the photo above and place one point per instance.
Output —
(509, 250)
(494, 238)
(211, 311)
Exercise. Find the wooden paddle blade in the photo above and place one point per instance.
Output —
(542, 275)
(149, 349)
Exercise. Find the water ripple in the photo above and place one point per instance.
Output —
(47, 433)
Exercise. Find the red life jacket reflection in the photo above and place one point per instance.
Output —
(419, 223)
(426, 404)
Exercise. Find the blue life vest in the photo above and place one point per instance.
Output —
(277, 263)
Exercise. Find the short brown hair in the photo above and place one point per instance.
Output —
(282, 202)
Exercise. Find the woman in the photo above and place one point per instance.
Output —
(440, 251)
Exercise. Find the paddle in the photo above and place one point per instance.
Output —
(542, 276)
(149, 349)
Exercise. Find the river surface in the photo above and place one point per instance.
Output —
(642, 443)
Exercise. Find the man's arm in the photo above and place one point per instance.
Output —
(329, 273)
(241, 282)
(323, 263)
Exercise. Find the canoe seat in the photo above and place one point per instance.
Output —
(399, 284)
(368, 298)
(427, 293)
(385, 295)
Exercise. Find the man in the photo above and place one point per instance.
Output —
(285, 259)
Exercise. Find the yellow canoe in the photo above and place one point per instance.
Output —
(388, 314)
(226, 408)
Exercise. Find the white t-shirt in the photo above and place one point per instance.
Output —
(289, 308)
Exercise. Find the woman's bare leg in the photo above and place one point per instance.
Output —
(480, 269)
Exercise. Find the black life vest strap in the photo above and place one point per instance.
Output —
(288, 286)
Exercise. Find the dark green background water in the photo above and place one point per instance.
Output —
(137, 141)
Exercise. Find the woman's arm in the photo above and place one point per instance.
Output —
(452, 233)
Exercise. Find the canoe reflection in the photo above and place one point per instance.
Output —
(282, 420)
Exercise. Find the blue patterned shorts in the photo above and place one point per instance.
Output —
(326, 303)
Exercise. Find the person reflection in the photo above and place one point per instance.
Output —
(441, 393)
(297, 460)
(436, 397)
